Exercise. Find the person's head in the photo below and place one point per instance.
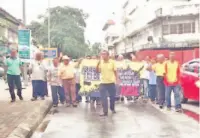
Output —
(160, 58)
(112, 56)
(13, 53)
(38, 56)
(88, 57)
(133, 58)
(147, 58)
(171, 56)
(138, 57)
(66, 60)
(55, 62)
(153, 60)
(93, 57)
(105, 55)
(120, 57)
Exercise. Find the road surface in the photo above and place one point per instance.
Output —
(133, 120)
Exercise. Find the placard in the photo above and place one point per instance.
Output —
(90, 74)
(129, 82)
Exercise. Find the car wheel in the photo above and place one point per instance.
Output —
(183, 99)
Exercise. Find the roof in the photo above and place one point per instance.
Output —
(107, 24)
(9, 17)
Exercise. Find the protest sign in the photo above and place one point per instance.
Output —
(129, 82)
(90, 78)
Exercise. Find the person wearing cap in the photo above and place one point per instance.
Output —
(172, 78)
(159, 69)
(66, 73)
(107, 68)
(38, 70)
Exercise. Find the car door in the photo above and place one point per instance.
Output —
(189, 78)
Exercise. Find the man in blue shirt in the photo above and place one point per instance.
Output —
(152, 84)
(13, 71)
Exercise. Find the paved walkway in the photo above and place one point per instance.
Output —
(12, 114)
(133, 120)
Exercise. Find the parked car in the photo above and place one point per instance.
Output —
(189, 77)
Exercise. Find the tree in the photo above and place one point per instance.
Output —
(67, 30)
(95, 49)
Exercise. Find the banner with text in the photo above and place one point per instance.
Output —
(129, 82)
(24, 44)
(90, 78)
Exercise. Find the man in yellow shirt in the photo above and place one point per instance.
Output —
(107, 68)
(172, 78)
(66, 73)
(159, 69)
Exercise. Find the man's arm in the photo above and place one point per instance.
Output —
(5, 66)
(98, 66)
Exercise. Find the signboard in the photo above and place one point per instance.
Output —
(24, 43)
(49, 53)
(90, 74)
(129, 82)
(4, 50)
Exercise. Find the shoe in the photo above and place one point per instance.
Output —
(168, 108)
(114, 112)
(67, 105)
(21, 98)
(33, 99)
(160, 106)
(42, 98)
(12, 101)
(104, 114)
(179, 110)
(55, 105)
(122, 99)
(74, 105)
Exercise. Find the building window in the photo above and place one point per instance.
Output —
(165, 29)
(193, 27)
(173, 29)
(180, 28)
(183, 28)
(187, 27)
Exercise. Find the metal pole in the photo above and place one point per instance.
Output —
(49, 31)
(24, 12)
(25, 76)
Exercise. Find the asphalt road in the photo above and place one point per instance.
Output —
(133, 120)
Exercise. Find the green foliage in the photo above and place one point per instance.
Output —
(67, 26)
(95, 49)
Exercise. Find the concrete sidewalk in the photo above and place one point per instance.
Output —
(19, 119)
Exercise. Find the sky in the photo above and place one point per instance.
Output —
(99, 12)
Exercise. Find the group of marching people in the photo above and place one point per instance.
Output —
(158, 78)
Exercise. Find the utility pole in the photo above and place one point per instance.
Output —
(24, 12)
(49, 31)
(25, 76)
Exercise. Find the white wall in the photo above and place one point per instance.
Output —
(119, 48)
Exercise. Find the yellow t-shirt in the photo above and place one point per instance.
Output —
(159, 69)
(66, 71)
(107, 70)
(171, 71)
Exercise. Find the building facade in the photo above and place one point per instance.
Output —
(8, 30)
(158, 24)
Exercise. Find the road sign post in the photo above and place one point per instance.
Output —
(24, 44)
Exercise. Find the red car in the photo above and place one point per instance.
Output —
(190, 82)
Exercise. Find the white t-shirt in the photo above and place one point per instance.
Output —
(146, 73)
(39, 70)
